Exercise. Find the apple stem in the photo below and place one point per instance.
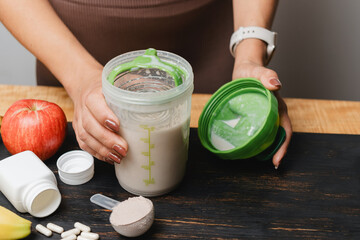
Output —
(33, 107)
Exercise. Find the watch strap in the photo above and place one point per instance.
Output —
(263, 34)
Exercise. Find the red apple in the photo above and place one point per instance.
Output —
(35, 125)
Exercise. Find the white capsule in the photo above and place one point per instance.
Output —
(82, 238)
(90, 235)
(82, 227)
(43, 230)
(55, 228)
(74, 231)
(70, 237)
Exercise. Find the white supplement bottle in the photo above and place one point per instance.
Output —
(29, 184)
(154, 116)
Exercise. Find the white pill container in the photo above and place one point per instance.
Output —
(155, 121)
(29, 184)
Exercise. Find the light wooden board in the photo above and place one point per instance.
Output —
(307, 115)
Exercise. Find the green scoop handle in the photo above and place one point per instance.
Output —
(148, 60)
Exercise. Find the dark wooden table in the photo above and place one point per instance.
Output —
(315, 194)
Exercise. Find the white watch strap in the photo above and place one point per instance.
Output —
(254, 32)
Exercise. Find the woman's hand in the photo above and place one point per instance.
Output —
(96, 126)
(269, 78)
(39, 28)
(250, 56)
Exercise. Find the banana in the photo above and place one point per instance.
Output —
(13, 226)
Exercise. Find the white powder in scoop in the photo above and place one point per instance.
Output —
(130, 210)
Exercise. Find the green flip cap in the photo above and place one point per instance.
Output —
(148, 60)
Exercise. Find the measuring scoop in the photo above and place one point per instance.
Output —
(149, 60)
(131, 218)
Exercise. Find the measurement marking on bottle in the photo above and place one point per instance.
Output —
(147, 154)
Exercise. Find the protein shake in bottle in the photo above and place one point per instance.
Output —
(150, 92)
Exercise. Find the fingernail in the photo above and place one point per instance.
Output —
(275, 82)
(120, 150)
(113, 157)
(276, 167)
(111, 125)
(108, 160)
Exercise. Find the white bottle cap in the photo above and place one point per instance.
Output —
(75, 167)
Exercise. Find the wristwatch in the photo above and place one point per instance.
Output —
(264, 34)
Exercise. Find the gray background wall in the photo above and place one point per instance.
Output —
(317, 56)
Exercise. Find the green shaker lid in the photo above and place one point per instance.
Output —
(148, 60)
(241, 121)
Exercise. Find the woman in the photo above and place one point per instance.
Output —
(73, 39)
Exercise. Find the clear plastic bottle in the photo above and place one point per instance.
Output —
(154, 119)
(29, 184)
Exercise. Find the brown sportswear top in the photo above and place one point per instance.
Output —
(197, 30)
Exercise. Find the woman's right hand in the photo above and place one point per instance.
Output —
(43, 33)
(95, 125)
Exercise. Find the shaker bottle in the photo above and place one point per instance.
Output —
(150, 93)
(241, 121)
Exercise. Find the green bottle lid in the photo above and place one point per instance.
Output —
(149, 59)
(241, 121)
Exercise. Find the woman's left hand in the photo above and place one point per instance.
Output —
(270, 80)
